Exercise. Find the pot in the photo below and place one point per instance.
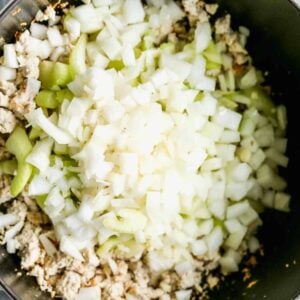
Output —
(274, 45)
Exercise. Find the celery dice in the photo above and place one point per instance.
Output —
(46, 99)
(64, 94)
(260, 100)
(35, 133)
(19, 144)
(41, 200)
(54, 74)
(24, 172)
(8, 167)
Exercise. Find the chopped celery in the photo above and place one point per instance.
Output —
(116, 64)
(212, 54)
(78, 56)
(19, 144)
(133, 248)
(249, 79)
(24, 172)
(108, 245)
(126, 221)
(212, 66)
(228, 103)
(8, 167)
(60, 149)
(282, 117)
(199, 96)
(41, 200)
(61, 74)
(168, 48)
(64, 94)
(70, 163)
(35, 133)
(137, 52)
(45, 73)
(54, 74)
(260, 99)
(148, 41)
(46, 99)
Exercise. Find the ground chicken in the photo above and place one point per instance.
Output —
(222, 25)
(195, 10)
(5, 194)
(30, 66)
(31, 203)
(28, 243)
(3, 100)
(69, 285)
(7, 88)
(48, 14)
(37, 218)
(19, 209)
(211, 8)
(7, 121)
(39, 272)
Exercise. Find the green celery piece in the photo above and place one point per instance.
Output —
(134, 248)
(189, 47)
(106, 247)
(228, 103)
(19, 144)
(54, 74)
(70, 163)
(199, 96)
(46, 99)
(45, 68)
(260, 100)
(212, 54)
(63, 94)
(137, 52)
(60, 149)
(41, 200)
(35, 133)
(24, 172)
(61, 74)
(78, 56)
(8, 167)
(257, 206)
(116, 64)
(66, 18)
(168, 47)
(213, 66)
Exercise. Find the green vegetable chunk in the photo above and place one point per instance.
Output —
(41, 200)
(46, 99)
(35, 133)
(24, 172)
(64, 94)
(8, 167)
(19, 144)
(260, 99)
(54, 75)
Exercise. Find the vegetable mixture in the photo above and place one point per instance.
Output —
(138, 147)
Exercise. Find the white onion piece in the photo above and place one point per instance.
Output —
(8, 219)
(10, 56)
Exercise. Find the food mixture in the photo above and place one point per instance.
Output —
(138, 147)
